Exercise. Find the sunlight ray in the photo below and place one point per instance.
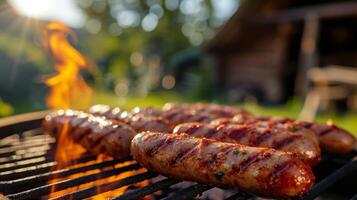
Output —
(14, 69)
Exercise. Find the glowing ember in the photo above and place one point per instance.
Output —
(69, 90)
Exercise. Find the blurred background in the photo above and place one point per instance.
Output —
(285, 58)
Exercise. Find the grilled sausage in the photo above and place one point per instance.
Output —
(176, 117)
(139, 119)
(202, 108)
(150, 119)
(96, 134)
(263, 171)
(258, 135)
(253, 135)
(331, 138)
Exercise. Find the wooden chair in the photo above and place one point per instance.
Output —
(329, 84)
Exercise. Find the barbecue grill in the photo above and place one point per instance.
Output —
(27, 171)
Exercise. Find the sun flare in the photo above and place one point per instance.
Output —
(31, 8)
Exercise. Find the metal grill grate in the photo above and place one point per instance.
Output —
(28, 170)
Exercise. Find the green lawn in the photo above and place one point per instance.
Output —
(291, 109)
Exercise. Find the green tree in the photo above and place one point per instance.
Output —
(135, 40)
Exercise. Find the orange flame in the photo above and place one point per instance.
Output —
(69, 90)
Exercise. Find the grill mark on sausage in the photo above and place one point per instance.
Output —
(76, 130)
(237, 133)
(100, 141)
(280, 144)
(307, 126)
(278, 169)
(152, 151)
(261, 138)
(80, 137)
(210, 133)
(103, 134)
(165, 144)
(147, 138)
(260, 156)
(159, 146)
(201, 118)
(191, 130)
(227, 149)
(182, 155)
(171, 115)
(325, 132)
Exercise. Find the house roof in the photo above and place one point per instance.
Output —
(255, 17)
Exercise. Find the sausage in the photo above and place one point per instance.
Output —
(264, 171)
(331, 138)
(140, 123)
(150, 119)
(202, 108)
(96, 134)
(258, 135)
(139, 119)
(176, 117)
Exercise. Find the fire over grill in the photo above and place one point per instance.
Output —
(27, 167)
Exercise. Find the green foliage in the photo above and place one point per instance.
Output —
(155, 99)
(119, 37)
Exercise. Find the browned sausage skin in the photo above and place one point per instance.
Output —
(150, 119)
(202, 108)
(96, 134)
(263, 171)
(258, 135)
(139, 119)
(331, 138)
(176, 117)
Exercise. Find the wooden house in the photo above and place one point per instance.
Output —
(267, 47)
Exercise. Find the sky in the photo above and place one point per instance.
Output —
(68, 12)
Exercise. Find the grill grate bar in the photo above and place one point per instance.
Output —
(25, 151)
(26, 144)
(34, 134)
(141, 192)
(57, 174)
(42, 190)
(39, 169)
(23, 164)
(240, 196)
(91, 191)
(16, 158)
(29, 142)
(30, 169)
(188, 193)
(327, 182)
